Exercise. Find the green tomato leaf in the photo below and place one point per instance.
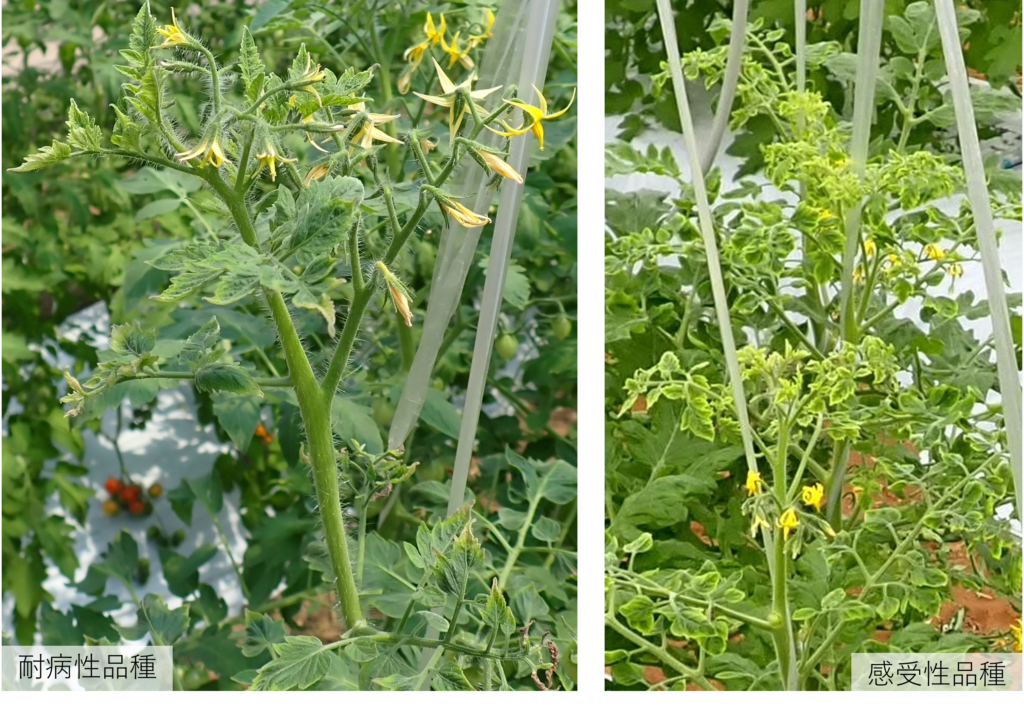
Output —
(238, 415)
(301, 661)
(261, 633)
(226, 377)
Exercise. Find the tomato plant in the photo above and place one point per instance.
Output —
(306, 196)
(809, 445)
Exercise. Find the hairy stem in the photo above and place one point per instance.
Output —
(315, 410)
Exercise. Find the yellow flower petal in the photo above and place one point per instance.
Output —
(464, 216)
(754, 484)
(813, 496)
(436, 100)
(501, 167)
(317, 172)
(788, 522)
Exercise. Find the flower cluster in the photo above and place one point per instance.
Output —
(434, 35)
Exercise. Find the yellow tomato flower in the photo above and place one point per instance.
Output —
(537, 116)
(311, 76)
(398, 292)
(476, 40)
(869, 248)
(309, 119)
(934, 252)
(450, 93)
(758, 524)
(755, 483)
(269, 159)
(955, 270)
(455, 54)
(317, 172)
(501, 167)
(369, 132)
(211, 152)
(414, 54)
(814, 496)
(858, 274)
(173, 34)
(788, 522)
(464, 216)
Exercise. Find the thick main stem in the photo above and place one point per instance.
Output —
(315, 409)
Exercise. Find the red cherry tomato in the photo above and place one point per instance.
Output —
(132, 493)
(114, 486)
(136, 507)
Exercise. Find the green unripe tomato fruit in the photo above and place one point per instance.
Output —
(434, 470)
(562, 327)
(506, 346)
(383, 411)
(280, 500)
(195, 678)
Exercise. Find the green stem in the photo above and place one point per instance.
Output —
(429, 667)
(358, 280)
(243, 163)
(782, 635)
(384, 64)
(488, 684)
(421, 158)
(567, 525)
(661, 653)
(455, 616)
(358, 307)
(361, 543)
(156, 160)
(513, 556)
(406, 343)
(915, 87)
(260, 381)
(231, 557)
(315, 409)
(214, 78)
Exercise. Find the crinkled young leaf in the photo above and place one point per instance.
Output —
(47, 155)
(251, 66)
(83, 133)
(496, 612)
(232, 288)
(220, 376)
(130, 339)
(301, 662)
(320, 218)
(143, 38)
(185, 284)
(452, 574)
(197, 347)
